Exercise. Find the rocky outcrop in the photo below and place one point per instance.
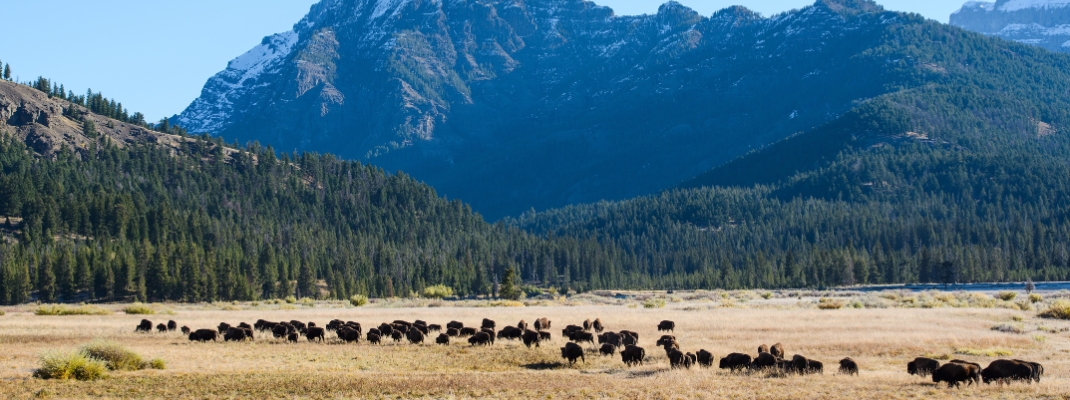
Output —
(1044, 23)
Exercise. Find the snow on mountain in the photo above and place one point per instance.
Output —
(1041, 23)
(1015, 5)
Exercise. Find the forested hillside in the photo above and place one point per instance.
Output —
(961, 180)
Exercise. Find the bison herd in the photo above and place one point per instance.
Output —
(626, 343)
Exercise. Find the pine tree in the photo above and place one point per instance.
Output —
(7, 72)
(306, 281)
(89, 129)
(509, 289)
(46, 280)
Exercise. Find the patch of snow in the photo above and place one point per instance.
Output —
(794, 114)
(382, 6)
(253, 62)
(983, 5)
(1015, 5)
(1066, 43)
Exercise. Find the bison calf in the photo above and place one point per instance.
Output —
(848, 366)
(443, 339)
(572, 351)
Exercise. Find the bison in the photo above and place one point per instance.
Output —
(480, 338)
(542, 324)
(581, 336)
(292, 337)
(764, 360)
(570, 329)
(415, 336)
(704, 358)
(815, 367)
(144, 326)
(234, 335)
(161, 328)
(587, 324)
(203, 335)
(223, 326)
(1038, 370)
(735, 362)
(666, 325)
(442, 339)
(522, 325)
(385, 329)
(629, 337)
(397, 336)
(489, 332)
(665, 339)
(510, 333)
(530, 337)
(1005, 371)
(677, 358)
(572, 351)
(244, 325)
(952, 373)
(455, 325)
(347, 334)
(434, 328)
(315, 333)
(974, 370)
(800, 364)
(374, 337)
(544, 335)
(468, 331)
(607, 349)
(281, 331)
(922, 366)
(172, 325)
(848, 366)
(334, 324)
(611, 338)
(185, 330)
(452, 332)
(777, 350)
(597, 325)
(488, 324)
(763, 349)
(632, 355)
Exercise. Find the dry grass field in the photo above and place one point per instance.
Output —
(881, 340)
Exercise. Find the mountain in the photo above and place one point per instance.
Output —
(520, 104)
(1044, 23)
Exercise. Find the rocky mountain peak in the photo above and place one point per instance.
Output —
(1044, 23)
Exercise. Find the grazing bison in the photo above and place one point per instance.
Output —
(249, 333)
(952, 373)
(1038, 370)
(597, 325)
(402, 322)
(185, 330)
(434, 328)
(292, 337)
(347, 334)
(334, 324)
(316, 333)
(764, 360)
(469, 331)
(570, 329)
(848, 366)
(581, 336)
(677, 358)
(234, 335)
(354, 326)
(487, 324)
(922, 366)
(415, 336)
(587, 324)
(385, 329)
(223, 326)
(480, 338)
(203, 335)
(612, 338)
(375, 331)
(245, 326)
(510, 333)
(666, 326)
(542, 324)
(785, 366)
(281, 331)
(704, 358)
(607, 349)
(530, 337)
(763, 349)
(161, 328)
(735, 362)
(665, 339)
(777, 350)
(1005, 371)
(800, 364)
(374, 338)
(422, 328)
(974, 370)
(815, 367)
(455, 325)
(489, 332)
(144, 326)
(172, 325)
(397, 336)
(629, 337)
(632, 355)
(572, 351)
(522, 325)
(442, 339)
(670, 345)
(544, 335)
(453, 332)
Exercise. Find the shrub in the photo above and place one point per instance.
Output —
(994, 352)
(117, 356)
(829, 304)
(767, 295)
(59, 309)
(437, 291)
(1007, 328)
(506, 303)
(2, 313)
(139, 309)
(1007, 296)
(68, 365)
(291, 299)
(308, 302)
(157, 363)
(532, 291)
(654, 303)
(1060, 309)
(1035, 298)
(358, 300)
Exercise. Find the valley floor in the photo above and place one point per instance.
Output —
(881, 340)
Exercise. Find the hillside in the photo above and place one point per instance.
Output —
(1043, 23)
(511, 105)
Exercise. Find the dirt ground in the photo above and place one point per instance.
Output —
(882, 341)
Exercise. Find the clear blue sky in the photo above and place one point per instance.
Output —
(154, 56)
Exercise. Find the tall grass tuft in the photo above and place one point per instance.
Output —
(139, 309)
(1060, 309)
(117, 356)
(70, 365)
(358, 300)
(1007, 296)
(60, 309)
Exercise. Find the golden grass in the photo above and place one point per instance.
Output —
(881, 340)
(63, 309)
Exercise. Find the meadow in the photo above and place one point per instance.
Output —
(882, 339)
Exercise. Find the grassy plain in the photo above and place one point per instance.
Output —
(881, 340)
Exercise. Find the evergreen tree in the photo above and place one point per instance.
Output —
(509, 289)
(306, 281)
(46, 280)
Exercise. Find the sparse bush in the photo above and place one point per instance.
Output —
(358, 300)
(857, 304)
(506, 303)
(1007, 328)
(829, 304)
(117, 356)
(1040, 338)
(2, 313)
(934, 356)
(437, 291)
(1017, 318)
(291, 299)
(1060, 309)
(1035, 298)
(70, 365)
(138, 309)
(308, 302)
(1007, 295)
(654, 303)
(59, 309)
(1024, 305)
(993, 352)
(532, 291)
(767, 295)
(157, 363)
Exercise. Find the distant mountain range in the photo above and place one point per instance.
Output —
(1044, 23)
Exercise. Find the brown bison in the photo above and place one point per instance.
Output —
(763, 349)
(570, 329)
(334, 324)
(434, 328)
(385, 329)
(800, 364)
(704, 358)
(952, 373)
(597, 325)
(453, 332)
(974, 370)
(764, 360)
(489, 332)
(672, 344)
(316, 333)
(777, 350)
(677, 359)
(665, 339)
(522, 325)
(397, 336)
(632, 355)
(161, 328)
(347, 334)
(172, 325)
(581, 336)
(292, 337)
(735, 362)
(612, 338)
(572, 351)
(415, 336)
(542, 324)
(544, 335)
(480, 338)
(185, 330)
(442, 339)
(815, 367)
(1005, 371)
(422, 328)
(1038, 370)
(374, 337)
(203, 335)
(629, 337)
(587, 324)
(922, 366)
(144, 326)
(455, 325)
(848, 366)
(281, 331)
(234, 335)
(245, 326)
(468, 331)
(666, 326)
(510, 333)
(530, 337)
(488, 324)
(223, 326)
(607, 349)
